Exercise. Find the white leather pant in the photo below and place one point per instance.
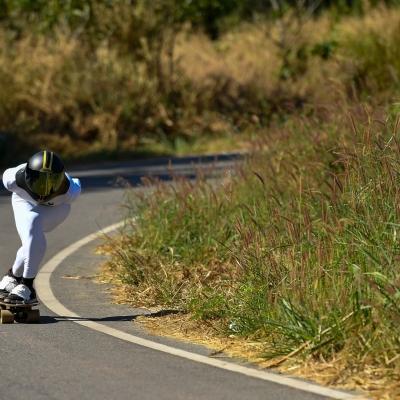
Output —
(32, 222)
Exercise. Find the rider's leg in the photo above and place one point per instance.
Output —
(32, 221)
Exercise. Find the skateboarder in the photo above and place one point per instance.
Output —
(41, 200)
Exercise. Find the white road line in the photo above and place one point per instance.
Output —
(47, 298)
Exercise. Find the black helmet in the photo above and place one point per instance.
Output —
(44, 173)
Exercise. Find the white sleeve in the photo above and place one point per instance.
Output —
(73, 192)
(9, 178)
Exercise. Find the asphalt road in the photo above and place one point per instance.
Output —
(60, 359)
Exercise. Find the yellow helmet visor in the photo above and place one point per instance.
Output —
(43, 183)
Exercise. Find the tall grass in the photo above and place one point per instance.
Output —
(297, 248)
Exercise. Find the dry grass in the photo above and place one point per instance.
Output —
(184, 327)
(378, 20)
(249, 57)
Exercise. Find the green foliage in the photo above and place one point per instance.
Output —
(22, 15)
(87, 15)
(376, 65)
(325, 49)
(206, 13)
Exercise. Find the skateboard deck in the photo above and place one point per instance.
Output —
(23, 312)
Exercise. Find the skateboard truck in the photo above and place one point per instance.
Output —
(9, 312)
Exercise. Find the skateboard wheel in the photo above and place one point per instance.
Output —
(33, 316)
(6, 317)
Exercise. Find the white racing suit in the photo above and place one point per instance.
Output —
(33, 219)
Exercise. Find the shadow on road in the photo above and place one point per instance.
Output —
(116, 318)
(44, 319)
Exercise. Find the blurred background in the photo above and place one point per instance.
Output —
(119, 79)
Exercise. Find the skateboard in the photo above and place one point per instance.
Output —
(10, 312)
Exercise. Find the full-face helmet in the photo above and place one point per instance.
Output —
(44, 173)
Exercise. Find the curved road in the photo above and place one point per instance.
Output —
(61, 359)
